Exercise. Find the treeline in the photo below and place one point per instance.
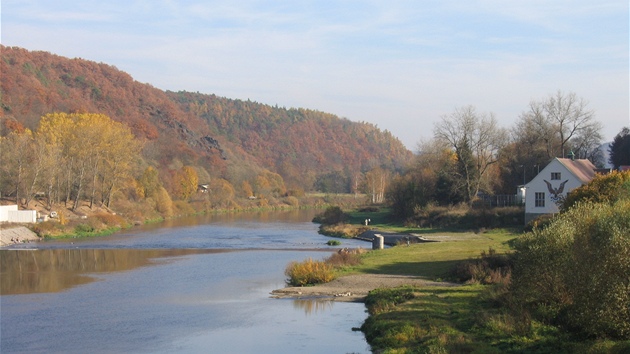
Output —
(88, 158)
(221, 138)
(471, 155)
(300, 144)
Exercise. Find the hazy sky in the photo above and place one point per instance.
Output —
(397, 64)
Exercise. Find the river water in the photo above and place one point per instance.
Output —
(192, 285)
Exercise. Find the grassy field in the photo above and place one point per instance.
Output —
(435, 259)
(462, 319)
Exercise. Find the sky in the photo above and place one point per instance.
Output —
(401, 65)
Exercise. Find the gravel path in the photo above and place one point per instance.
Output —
(354, 287)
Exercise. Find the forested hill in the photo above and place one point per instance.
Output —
(228, 138)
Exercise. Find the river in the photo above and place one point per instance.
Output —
(191, 285)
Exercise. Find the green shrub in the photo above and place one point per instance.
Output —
(575, 271)
(369, 209)
(333, 242)
(384, 300)
(345, 257)
(606, 188)
(539, 223)
(83, 229)
(600, 277)
(489, 268)
(332, 215)
(309, 272)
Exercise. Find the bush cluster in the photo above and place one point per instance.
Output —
(606, 188)
(489, 268)
(45, 228)
(575, 271)
(331, 216)
(464, 217)
(345, 258)
(342, 230)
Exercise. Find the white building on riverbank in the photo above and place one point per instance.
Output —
(10, 213)
(547, 190)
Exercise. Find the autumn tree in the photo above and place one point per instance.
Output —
(376, 182)
(94, 148)
(221, 192)
(16, 159)
(246, 189)
(428, 178)
(149, 182)
(186, 182)
(268, 183)
(476, 139)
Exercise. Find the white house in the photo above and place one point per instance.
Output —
(547, 189)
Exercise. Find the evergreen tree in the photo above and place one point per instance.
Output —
(620, 149)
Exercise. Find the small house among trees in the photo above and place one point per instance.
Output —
(548, 189)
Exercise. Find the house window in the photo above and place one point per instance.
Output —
(555, 175)
(539, 199)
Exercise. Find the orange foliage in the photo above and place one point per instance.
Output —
(196, 129)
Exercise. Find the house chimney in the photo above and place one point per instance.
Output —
(572, 155)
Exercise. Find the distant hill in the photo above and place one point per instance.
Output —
(231, 139)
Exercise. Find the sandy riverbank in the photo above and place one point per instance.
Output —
(354, 288)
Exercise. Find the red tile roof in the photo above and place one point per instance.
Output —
(584, 170)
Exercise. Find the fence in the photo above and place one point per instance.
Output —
(499, 200)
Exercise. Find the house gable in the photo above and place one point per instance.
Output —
(547, 190)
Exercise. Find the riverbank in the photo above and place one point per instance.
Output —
(100, 221)
(355, 287)
(12, 234)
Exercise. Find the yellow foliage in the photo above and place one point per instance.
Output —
(187, 182)
(164, 204)
(309, 272)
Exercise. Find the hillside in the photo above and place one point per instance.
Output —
(231, 139)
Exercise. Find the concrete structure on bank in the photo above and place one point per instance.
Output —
(10, 213)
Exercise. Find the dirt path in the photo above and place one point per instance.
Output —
(354, 287)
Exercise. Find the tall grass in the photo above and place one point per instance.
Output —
(309, 272)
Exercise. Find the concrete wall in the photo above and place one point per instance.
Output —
(4, 211)
(10, 213)
(23, 216)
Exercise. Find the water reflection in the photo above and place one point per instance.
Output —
(55, 270)
(311, 306)
(258, 217)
